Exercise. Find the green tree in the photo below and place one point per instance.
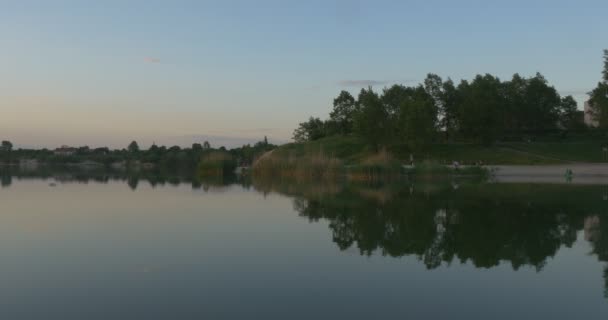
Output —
(598, 98)
(197, 147)
(311, 130)
(7, 146)
(445, 100)
(418, 119)
(133, 147)
(605, 71)
(599, 104)
(343, 112)
(568, 113)
(515, 100)
(372, 121)
(411, 113)
(392, 99)
(449, 108)
(542, 105)
(481, 111)
(206, 145)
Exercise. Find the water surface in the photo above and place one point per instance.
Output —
(107, 248)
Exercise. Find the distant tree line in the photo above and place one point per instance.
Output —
(174, 157)
(483, 110)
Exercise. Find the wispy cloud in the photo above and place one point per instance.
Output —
(151, 60)
(362, 83)
(368, 83)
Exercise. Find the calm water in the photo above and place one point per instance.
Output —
(140, 249)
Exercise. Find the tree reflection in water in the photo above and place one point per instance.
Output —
(484, 224)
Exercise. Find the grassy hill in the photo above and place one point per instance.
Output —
(353, 151)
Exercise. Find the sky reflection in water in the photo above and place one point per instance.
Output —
(117, 247)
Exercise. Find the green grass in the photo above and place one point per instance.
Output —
(472, 153)
(353, 151)
(576, 151)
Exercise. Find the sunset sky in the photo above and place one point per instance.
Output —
(177, 72)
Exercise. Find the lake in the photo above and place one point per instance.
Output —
(105, 247)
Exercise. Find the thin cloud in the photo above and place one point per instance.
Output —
(151, 60)
(362, 83)
(371, 83)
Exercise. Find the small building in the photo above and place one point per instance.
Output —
(65, 151)
(588, 118)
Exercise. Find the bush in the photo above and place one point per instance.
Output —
(216, 163)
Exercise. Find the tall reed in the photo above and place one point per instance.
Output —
(315, 165)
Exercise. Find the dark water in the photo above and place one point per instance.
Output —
(105, 248)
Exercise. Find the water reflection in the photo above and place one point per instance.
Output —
(439, 223)
(133, 179)
(484, 224)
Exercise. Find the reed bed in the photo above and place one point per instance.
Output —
(378, 166)
(216, 164)
(310, 166)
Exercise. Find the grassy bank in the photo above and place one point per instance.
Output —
(353, 151)
(216, 164)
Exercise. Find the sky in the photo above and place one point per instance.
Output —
(103, 73)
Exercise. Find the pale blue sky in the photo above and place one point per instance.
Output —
(107, 72)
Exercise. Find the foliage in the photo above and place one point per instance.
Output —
(485, 110)
(311, 130)
(345, 108)
(372, 120)
(605, 71)
(599, 104)
(569, 116)
(133, 147)
(216, 163)
(7, 146)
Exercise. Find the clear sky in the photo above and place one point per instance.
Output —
(107, 72)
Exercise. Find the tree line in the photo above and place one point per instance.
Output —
(482, 110)
(174, 157)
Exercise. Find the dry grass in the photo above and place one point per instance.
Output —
(316, 165)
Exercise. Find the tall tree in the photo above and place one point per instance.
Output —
(206, 145)
(568, 113)
(605, 72)
(311, 130)
(371, 121)
(449, 108)
(197, 147)
(542, 103)
(445, 100)
(7, 146)
(343, 112)
(434, 87)
(133, 147)
(599, 104)
(417, 120)
(598, 98)
(393, 99)
(481, 112)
